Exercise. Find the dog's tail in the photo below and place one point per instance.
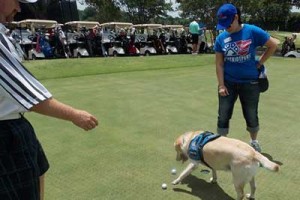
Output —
(266, 163)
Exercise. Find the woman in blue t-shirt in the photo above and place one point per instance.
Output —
(236, 68)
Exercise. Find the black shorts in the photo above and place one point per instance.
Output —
(22, 161)
(195, 38)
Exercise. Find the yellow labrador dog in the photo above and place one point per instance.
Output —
(221, 153)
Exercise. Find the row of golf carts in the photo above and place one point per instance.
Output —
(48, 39)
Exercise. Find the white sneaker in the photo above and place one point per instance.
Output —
(255, 146)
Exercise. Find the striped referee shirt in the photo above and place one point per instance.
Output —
(19, 89)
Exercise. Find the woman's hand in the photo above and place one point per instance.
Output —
(223, 90)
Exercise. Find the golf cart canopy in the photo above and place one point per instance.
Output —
(11, 25)
(117, 24)
(147, 25)
(173, 26)
(149, 29)
(80, 24)
(36, 23)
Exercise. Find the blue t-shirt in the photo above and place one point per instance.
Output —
(239, 50)
(201, 27)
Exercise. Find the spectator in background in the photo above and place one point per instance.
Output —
(293, 41)
(14, 46)
(194, 31)
(202, 36)
(132, 34)
(99, 34)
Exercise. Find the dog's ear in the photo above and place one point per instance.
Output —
(178, 143)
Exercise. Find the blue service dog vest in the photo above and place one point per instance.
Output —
(197, 144)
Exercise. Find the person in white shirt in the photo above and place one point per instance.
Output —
(22, 160)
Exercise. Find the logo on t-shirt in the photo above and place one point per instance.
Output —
(238, 51)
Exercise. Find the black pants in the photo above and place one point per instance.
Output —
(22, 161)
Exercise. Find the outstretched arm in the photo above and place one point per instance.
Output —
(53, 108)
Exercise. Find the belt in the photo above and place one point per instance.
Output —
(11, 116)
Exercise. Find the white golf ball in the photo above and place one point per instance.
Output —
(164, 186)
(173, 171)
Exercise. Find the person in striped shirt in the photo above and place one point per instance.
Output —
(22, 160)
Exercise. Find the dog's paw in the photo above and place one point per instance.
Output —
(175, 182)
(248, 196)
(212, 180)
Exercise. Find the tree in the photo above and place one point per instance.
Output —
(106, 10)
(269, 14)
(296, 3)
(135, 11)
(293, 23)
(36, 10)
(88, 14)
(144, 11)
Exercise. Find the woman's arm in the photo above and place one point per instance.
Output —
(271, 45)
(220, 74)
(219, 68)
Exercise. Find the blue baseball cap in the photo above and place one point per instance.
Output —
(226, 14)
(27, 1)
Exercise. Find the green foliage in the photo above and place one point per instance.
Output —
(135, 11)
(39, 9)
(145, 11)
(89, 14)
(294, 23)
(106, 10)
(59, 68)
(268, 14)
(206, 10)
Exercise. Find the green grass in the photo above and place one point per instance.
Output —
(143, 104)
(62, 68)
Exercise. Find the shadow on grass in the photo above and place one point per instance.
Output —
(271, 158)
(202, 189)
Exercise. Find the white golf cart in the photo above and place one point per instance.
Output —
(114, 37)
(143, 31)
(172, 34)
(34, 32)
(293, 54)
(13, 34)
(77, 37)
